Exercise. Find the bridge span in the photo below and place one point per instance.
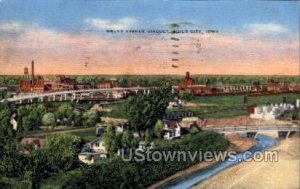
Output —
(73, 95)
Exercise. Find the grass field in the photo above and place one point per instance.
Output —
(230, 106)
(87, 135)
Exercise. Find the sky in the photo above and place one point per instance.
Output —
(70, 37)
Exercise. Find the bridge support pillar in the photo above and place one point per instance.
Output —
(53, 97)
(65, 96)
(61, 98)
(288, 134)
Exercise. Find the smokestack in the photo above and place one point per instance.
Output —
(32, 70)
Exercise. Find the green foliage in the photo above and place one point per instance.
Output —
(158, 129)
(30, 116)
(91, 118)
(144, 110)
(185, 95)
(5, 126)
(12, 164)
(115, 173)
(49, 119)
(62, 151)
(148, 137)
(128, 140)
(110, 140)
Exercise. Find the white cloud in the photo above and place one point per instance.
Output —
(11, 26)
(266, 28)
(124, 23)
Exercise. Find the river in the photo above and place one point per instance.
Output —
(263, 142)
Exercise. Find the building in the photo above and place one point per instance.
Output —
(172, 130)
(188, 84)
(109, 84)
(271, 112)
(187, 81)
(93, 151)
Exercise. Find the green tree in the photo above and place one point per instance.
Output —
(110, 139)
(91, 118)
(128, 140)
(148, 137)
(49, 119)
(5, 126)
(158, 129)
(62, 151)
(144, 110)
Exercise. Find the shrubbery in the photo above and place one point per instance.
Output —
(116, 173)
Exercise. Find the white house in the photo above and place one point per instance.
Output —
(171, 130)
(93, 151)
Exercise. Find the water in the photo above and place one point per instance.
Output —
(263, 142)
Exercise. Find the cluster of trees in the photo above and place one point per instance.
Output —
(5, 126)
(116, 173)
(114, 141)
(29, 117)
(143, 111)
(26, 171)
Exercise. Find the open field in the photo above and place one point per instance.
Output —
(231, 106)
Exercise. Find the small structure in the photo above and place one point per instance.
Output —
(172, 130)
(271, 112)
(144, 146)
(93, 151)
(113, 83)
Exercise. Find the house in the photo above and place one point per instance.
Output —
(91, 157)
(171, 130)
(144, 146)
(120, 128)
(93, 151)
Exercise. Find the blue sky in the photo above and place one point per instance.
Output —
(227, 16)
(255, 37)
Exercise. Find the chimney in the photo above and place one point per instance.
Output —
(32, 70)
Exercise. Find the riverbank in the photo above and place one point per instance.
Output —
(282, 174)
(237, 143)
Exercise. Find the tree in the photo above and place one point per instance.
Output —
(5, 126)
(91, 118)
(110, 139)
(128, 140)
(144, 110)
(148, 137)
(62, 151)
(49, 119)
(158, 129)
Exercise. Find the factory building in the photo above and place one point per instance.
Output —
(271, 112)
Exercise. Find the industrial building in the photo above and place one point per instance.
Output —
(37, 84)
(271, 112)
